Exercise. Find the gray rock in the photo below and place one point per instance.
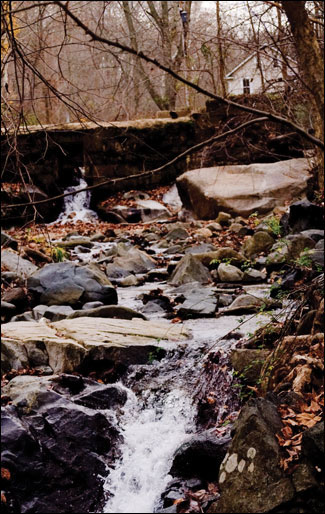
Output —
(200, 249)
(320, 245)
(253, 275)
(189, 269)
(25, 316)
(214, 227)
(229, 273)
(130, 280)
(252, 463)
(199, 303)
(66, 283)
(14, 262)
(177, 233)
(135, 261)
(74, 241)
(151, 210)
(53, 313)
(244, 303)
(225, 299)
(7, 240)
(259, 242)
(313, 444)
(116, 272)
(222, 254)
(315, 234)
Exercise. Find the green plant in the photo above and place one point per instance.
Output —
(274, 225)
(304, 260)
(156, 354)
(58, 254)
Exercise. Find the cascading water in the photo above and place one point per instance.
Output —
(76, 207)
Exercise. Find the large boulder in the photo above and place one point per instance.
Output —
(303, 215)
(54, 449)
(67, 283)
(66, 345)
(251, 479)
(241, 190)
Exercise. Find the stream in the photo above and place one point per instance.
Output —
(162, 406)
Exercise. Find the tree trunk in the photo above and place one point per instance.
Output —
(311, 66)
(221, 59)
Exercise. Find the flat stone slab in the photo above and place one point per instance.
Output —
(63, 345)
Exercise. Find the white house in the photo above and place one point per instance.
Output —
(246, 78)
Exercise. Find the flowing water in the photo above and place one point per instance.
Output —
(76, 207)
(161, 410)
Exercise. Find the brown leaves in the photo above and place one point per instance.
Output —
(5, 474)
(306, 415)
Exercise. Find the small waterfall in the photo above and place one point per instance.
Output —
(76, 207)
(151, 434)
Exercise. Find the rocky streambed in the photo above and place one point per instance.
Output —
(121, 361)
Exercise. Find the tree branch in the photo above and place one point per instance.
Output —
(125, 48)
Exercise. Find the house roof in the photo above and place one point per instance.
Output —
(242, 63)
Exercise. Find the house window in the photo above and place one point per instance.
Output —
(246, 87)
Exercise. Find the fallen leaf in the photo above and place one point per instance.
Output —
(5, 474)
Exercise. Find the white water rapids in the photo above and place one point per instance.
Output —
(151, 436)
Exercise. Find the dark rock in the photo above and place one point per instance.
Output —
(66, 283)
(199, 302)
(304, 215)
(313, 444)
(57, 455)
(253, 463)
(25, 316)
(249, 362)
(102, 397)
(316, 235)
(199, 458)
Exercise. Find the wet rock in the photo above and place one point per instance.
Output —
(177, 233)
(116, 272)
(259, 242)
(14, 262)
(199, 302)
(200, 458)
(249, 362)
(56, 451)
(229, 273)
(7, 308)
(66, 283)
(303, 215)
(152, 307)
(189, 269)
(102, 397)
(263, 186)
(223, 219)
(106, 311)
(8, 241)
(252, 463)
